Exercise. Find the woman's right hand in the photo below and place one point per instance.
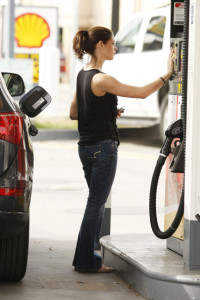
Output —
(170, 63)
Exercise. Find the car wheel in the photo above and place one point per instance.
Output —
(13, 256)
(163, 117)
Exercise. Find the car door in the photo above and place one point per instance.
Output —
(154, 54)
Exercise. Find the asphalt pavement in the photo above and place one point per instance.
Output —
(50, 276)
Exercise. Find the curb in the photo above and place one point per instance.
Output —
(146, 264)
(65, 134)
(54, 135)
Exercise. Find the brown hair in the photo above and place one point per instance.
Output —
(86, 41)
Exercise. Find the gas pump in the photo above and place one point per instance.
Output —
(174, 194)
(182, 156)
(172, 153)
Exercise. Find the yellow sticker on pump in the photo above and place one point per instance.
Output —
(180, 88)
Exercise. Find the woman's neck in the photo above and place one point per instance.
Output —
(95, 64)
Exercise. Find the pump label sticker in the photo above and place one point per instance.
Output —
(178, 13)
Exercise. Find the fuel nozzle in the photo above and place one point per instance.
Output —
(175, 130)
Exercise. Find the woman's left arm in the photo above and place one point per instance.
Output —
(73, 114)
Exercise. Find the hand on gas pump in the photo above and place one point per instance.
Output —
(170, 67)
(170, 63)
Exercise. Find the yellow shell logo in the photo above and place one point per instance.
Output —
(31, 30)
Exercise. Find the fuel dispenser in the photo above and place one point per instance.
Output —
(172, 154)
(181, 156)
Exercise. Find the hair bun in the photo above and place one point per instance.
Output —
(85, 33)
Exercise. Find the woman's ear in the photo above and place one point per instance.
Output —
(100, 44)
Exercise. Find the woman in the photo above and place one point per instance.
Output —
(95, 107)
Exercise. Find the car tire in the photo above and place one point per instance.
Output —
(163, 118)
(14, 255)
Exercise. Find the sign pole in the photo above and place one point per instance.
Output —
(9, 30)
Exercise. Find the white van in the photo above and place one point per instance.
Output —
(143, 49)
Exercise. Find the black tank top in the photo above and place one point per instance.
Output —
(96, 115)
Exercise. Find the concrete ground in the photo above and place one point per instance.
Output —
(50, 276)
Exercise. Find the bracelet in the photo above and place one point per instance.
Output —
(163, 80)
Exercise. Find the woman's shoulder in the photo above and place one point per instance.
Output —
(103, 83)
(102, 77)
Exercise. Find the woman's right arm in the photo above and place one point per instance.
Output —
(108, 84)
(73, 114)
(103, 83)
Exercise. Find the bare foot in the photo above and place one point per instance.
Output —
(104, 269)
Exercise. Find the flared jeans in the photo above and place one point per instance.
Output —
(99, 163)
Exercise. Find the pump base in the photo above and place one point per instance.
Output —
(154, 271)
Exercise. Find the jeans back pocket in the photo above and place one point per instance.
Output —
(93, 151)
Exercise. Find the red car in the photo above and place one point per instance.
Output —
(16, 171)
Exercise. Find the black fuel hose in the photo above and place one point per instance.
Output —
(152, 204)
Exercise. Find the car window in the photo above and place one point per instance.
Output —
(154, 36)
(4, 106)
(127, 39)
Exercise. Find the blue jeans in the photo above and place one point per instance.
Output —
(99, 164)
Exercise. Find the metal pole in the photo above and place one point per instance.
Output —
(115, 16)
(9, 30)
(106, 223)
(105, 228)
(74, 29)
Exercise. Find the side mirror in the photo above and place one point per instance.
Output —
(35, 101)
(14, 84)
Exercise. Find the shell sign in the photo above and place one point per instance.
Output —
(31, 30)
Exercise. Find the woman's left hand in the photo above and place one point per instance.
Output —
(120, 111)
